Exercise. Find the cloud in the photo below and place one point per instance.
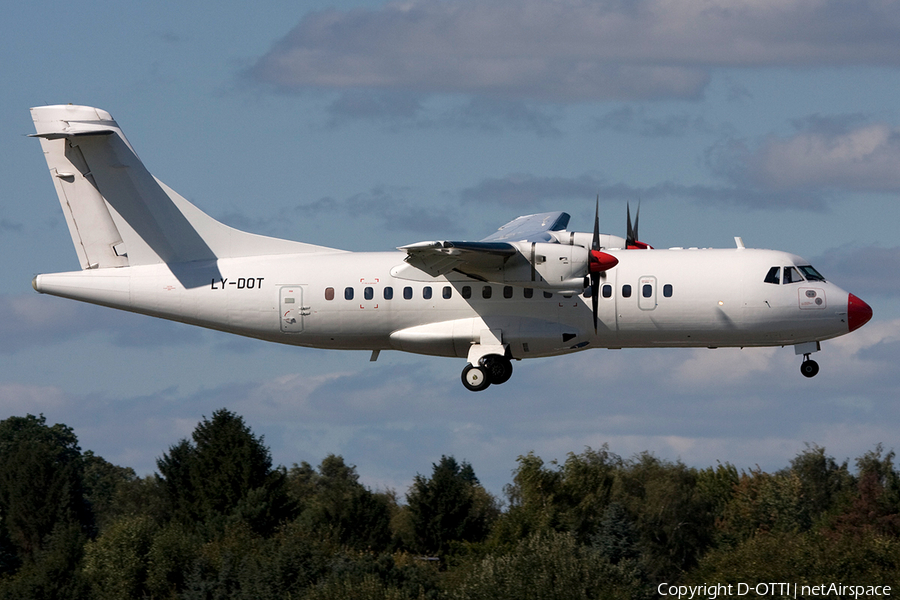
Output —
(7, 226)
(699, 405)
(863, 270)
(399, 111)
(532, 192)
(37, 320)
(632, 120)
(824, 155)
(390, 209)
(571, 50)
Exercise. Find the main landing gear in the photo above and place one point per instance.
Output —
(492, 368)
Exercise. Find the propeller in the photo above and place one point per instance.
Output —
(598, 262)
(631, 239)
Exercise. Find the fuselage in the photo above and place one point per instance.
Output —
(375, 301)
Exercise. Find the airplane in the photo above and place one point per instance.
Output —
(531, 289)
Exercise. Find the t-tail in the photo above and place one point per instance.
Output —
(118, 214)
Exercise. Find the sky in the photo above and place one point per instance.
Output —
(366, 125)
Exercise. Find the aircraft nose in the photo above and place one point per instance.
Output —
(858, 312)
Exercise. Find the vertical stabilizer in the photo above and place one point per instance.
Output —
(121, 215)
(95, 236)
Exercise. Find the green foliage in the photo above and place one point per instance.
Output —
(875, 506)
(44, 517)
(383, 575)
(54, 571)
(824, 484)
(243, 565)
(41, 483)
(672, 513)
(549, 566)
(117, 561)
(220, 522)
(226, 475)
(805, 558)
(449, 507)
(333, 502)
(104, 482)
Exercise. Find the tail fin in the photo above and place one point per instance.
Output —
(118, 213)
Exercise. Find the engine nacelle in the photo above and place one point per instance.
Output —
(548, 266)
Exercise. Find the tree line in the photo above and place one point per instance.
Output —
(219, 521)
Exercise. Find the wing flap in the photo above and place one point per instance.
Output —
(439, 258)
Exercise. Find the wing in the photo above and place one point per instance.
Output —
(438, 258)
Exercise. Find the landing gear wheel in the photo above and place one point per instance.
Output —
(809, 368)
(475, 378)
(499, 368)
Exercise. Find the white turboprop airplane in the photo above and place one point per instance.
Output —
(531, 289)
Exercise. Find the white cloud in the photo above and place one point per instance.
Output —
(20, 399)
(572, 50)
(865, 158)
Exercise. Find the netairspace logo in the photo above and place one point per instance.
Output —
(773, 590)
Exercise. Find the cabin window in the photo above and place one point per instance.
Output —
(329, 293)
(407, 293)
(606, 291)
(667, 290)
(348, 293)
(426, 292)
(466, 292)
(548, 294)
(507, 291)
(646, 290)
(774, 275)
(447, 293)
(368, 293)
(529, 292)
(486, 292)
(626, 291)
(810, 273)
(792, 275)
(388, 293)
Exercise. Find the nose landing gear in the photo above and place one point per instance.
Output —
(808, 367)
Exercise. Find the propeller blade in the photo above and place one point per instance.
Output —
(631, 239)
(593, 261)
(637, 217)
(629, 232)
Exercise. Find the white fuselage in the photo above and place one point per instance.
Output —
(375, 301)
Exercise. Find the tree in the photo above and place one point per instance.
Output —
(41, 482)
(333, 501)
(225, 474)
(451, 506)
(44, 517)
(670, 510)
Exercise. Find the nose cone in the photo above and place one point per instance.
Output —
(858, 312)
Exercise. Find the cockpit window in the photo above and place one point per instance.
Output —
(774, 275)
(810, 273)
(792, 275)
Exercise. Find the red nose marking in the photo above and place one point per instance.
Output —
(858, 312)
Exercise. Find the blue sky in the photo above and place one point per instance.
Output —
(369, 125)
